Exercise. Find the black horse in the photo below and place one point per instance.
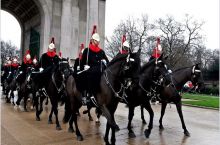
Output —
(152, 78)
(118, 70)
(11, 85)
(54, 89)
(178, 79)
(25, 87)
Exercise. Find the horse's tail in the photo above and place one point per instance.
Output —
(108, 116)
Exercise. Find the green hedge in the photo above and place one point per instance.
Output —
(211, 91)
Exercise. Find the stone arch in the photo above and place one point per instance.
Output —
(30, 14)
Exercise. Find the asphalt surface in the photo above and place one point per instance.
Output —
(21, 128)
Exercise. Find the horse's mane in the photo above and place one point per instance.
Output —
(118, 57)
(146, 65)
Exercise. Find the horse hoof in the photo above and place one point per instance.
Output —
(161, 127)
(131, 135)
(79, 138)
(37, 118)
(85, 111)
(58, 128)
(70, 130)
(144, 122)
(90, 119)
(117, 128)
(97, 122)
(17, 103)
(187, 133)
(147, 133)
(25, 110)
(50, 122)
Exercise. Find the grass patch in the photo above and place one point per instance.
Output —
(201, 100)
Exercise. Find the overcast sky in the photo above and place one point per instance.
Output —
(202, 10)
(117, 10)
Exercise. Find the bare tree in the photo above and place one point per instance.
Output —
(137, 34)
(7, 50)
(180, 39)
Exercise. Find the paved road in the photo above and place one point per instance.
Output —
(20, 128)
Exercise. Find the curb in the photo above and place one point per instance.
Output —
(200, 106)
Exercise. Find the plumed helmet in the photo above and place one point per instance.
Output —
(15, 60)
(159, 47)
(96, 37)
(126, 44)
(51, 46)
(34, 60)
(28, 56)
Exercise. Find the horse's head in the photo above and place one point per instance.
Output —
(63, 68)
(155, 70)
(197, 78)
(131, 65)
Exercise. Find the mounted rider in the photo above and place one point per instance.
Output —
(35, 64)
(157, 51)
(46, 64)
(5, 72)
(26, 64)
(125, 47)
(93, 62)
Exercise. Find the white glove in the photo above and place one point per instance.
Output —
(41, 69)
(20, 72)
(78, 68)
(169, 71)
(10, 72)
(104, 61)
(86, 67)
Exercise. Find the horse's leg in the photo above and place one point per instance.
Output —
(89, 114)
(50, 116)
(36, 97)
(78, 134)
(71, 130)
(163, 108)
(46, 103)
(179, 109)
(142, 115)
(54, 106)
(19, 98)
(25, 101)
(12, 96)
(106, 134)
(130, 117)
(151, 113)
(98, 114)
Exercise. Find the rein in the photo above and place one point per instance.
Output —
(121, 90)
(59, 89)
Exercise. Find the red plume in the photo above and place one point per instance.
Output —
(158, 40)
(123, 39)
(81, 47)
(80, 52)
(27, 51)
(52, 40)
(94, 29)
